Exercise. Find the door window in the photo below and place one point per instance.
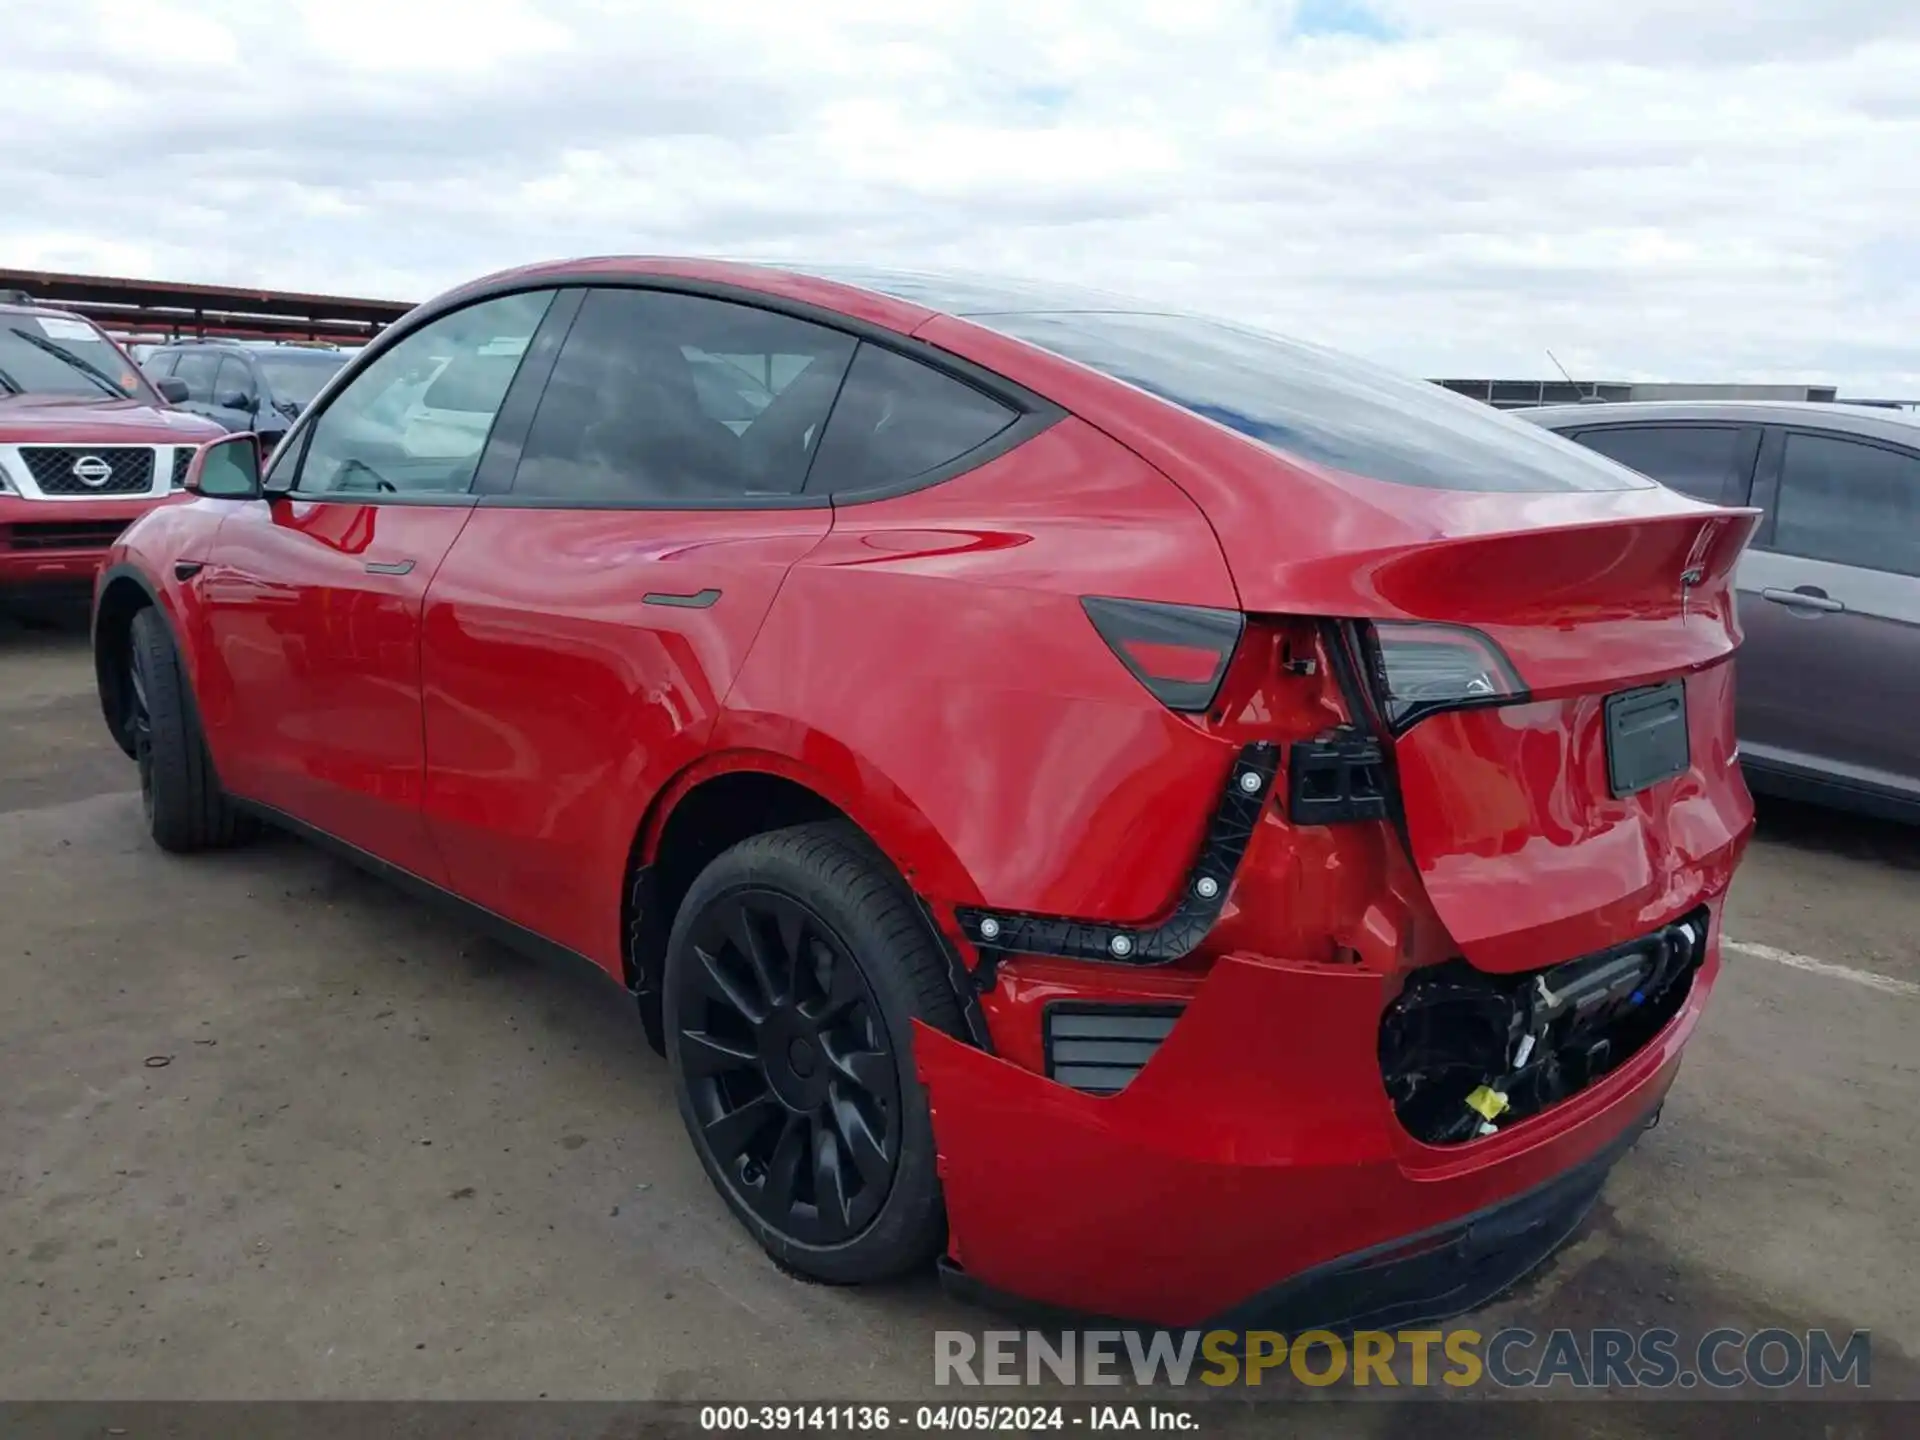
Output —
(196, 368)
(1850, 503)
(667, 399)
(233, 382)
(898, 419)
(1698, 460)
(416, 420)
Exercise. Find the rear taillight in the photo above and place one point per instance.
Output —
(1179, 652)
(1419, 668)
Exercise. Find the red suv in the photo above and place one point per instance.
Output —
(1188, 825)
(87, 446)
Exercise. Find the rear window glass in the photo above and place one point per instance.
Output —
(1318, 404)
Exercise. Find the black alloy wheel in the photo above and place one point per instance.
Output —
(788, 1066)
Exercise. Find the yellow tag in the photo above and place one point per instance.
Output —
(1487, 1102)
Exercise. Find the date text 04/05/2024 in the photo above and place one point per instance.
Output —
(821, 1419)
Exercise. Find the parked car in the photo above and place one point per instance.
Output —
(1829, 693)
(1188, 825)
(247, 385)
(87, 446)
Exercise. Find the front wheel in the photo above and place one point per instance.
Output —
(184, 804)
(796, 968)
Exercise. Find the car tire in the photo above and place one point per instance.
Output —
(809, 1119)
(185, 807)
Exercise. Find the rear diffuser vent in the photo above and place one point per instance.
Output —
(1100, 1048)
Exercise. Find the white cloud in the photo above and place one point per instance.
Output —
(1450, 186)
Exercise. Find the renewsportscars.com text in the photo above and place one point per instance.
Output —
(1655, 1359)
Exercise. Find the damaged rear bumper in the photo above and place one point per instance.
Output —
(1254, 1174)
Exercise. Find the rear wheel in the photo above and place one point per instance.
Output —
(796, 968)
(184, 805)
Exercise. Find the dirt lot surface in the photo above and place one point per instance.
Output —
(274, 1130)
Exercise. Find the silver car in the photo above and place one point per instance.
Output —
(1829, 676)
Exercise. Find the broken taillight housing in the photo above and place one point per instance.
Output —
(1418, 668)
(1179, 652)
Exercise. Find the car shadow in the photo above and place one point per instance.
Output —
(44, 625)
(1821, 829)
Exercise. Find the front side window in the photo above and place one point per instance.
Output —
(1850, 503)
(233, 384)
(416, 420)
(1697, 460)
(64, 355)
(667, 399)
(195, 369)
(898, 419)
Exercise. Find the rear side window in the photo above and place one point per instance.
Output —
(898, 419)
(666, 399)
(1698, 460)
(159, 364)
(1848, 502)
(1320, 405)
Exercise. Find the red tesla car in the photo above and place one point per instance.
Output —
(1180, 824)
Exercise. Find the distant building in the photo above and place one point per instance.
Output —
(1511, 394)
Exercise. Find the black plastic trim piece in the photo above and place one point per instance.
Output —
(966, 988)
(444, 499)
(1337, 778)
(187, 569)
(513, 422)
(1344, 649)
(1098, 1048)
(692, 504)
(1180, 931)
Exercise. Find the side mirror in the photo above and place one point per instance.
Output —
(173, 391)
(227, 468)
(239, 401)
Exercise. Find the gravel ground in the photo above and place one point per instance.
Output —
(273, 1130)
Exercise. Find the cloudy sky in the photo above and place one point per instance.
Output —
(1452, 187)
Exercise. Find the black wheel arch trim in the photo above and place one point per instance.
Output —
(107, 683)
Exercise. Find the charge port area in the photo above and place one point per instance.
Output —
(1465, 1053)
